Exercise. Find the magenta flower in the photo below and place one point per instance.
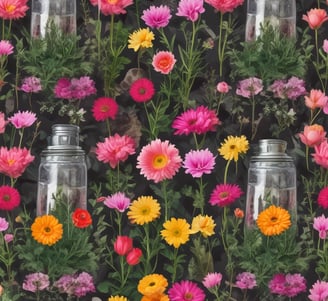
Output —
(142, 90)
(22, 119)
(31, 84)
(36, 282)
(320, 155)
(3, 123)
(186, 290)
(246, 280)
(3, 224)
(249, 87)
(319, 291)
(225, 194)
(225, 6)
(118, 201)
(289, 285)
(9, 198)
(104, 108)
(323, 198)
(157, 16)
(112, 7)
(199, 162)
(6, 48)
(190, 9)
(320, 224)
(212, 280)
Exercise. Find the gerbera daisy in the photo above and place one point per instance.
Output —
(233, 146)
(273, 220)
(153, 284)
(163, 62)
(144, 210)
(157, 16)
(47, 230)
(141, 38)
(117, 298)
(13, 9)
(323, 198)
(203, 224)
(6, 48)
(9, 198)
(225, 194)
(22, 119)
(186, 290)
(176, 231)
(104, 108)
(199, 162)
(142, 90)
(159, 160)
(118, 201)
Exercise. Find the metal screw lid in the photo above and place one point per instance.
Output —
(65, 134)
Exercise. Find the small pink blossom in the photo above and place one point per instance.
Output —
(118, 201)
(319, 291)
(313, 135)
(320, 224)
(199, 162)
(6, 48)
(157, 16)
(3, 123)
(316, 100)
(249, 87)
(223, 87)
(3, 224)
(325, 46)
(320, 154)
(191, 9)
(212, 280)
(246, 280)
(31, 84)
(22, 119)
(36, 282)
(8, 238)
(288, 89)
(323, 198)
(225, 194)
(112, 7)
(225, 6)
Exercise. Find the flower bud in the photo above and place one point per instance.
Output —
(134, 256)
(123, 245)
(222, 87)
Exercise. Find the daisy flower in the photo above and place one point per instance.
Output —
(157, 16)
(233, 146)
(186, 290)
(143, 210)
(163, 62)
(225, 194)
(153, 284)
(104, 108)
(142, 90)
(9, 198)
(118, 201)
(13, 9)
(199, 162)
(22, 119)
(203, 224)
(176, 231)
(142, 38)
(6, 48)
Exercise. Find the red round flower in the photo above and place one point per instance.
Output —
(81, 218)
(123, 245)
(142, 90)
(104, 108)
(9, 198)
(134, 256)
(323, 198)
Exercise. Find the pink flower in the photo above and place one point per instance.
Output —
(142, 90)
(9, 198)
(245, 280)
(115, 149)
(104, 108)
(186, 290)
(134, 256)
(289, 285)
(323, 198)
(36, 282)
(159, 160)
(118, 201)
(3, 123)
(3, 224)
(63, 89)
(31, 84)
(8, 238)
(112, 7)
(315, 17)
(123, 245)
(212, 280)
(163, 62)
(13, 9)
(200, 120)
(223, 87)
(14, 161)
(319, 291)
(320, 155)
(313, 135)
(6, 48)
(22, 119)
(249, 87)
(157, 17)
(225, 6)
(325, 46)
(316, 99)
(320, 224)
(190, 9)
(225, 194)
(199, 162)
(291, 89)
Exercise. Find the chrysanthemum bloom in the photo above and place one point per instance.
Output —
(47, 230)
(223, 87)
(288, 89)
(289, 285)
(118, 201)
(233, 146)
(14, 161)
(3, 123)
(115, 149)
(142, 38)
(157, 16)
(117, 298)
(9, 198)
(22, 119)
(191, 9)
(203, 224)
(13, 9)
(313, 135)
(82, 87)
(104, 108)
(320, 154)
(144, 210)
(246, 280)
(315, 17)
(319, 291)
(159, 160)
(323, 198)
(36, 282)
(62, 88)
(176, 231)
(6, 48)
(142, 90)
(325, 46)
(123, 245)
(225, 194)
(153, 284)
(212, 280)
(163, 62)
(200, 121)
(239, 213)
(225, 6)
(316, 100)
(186, 290)
(320, 224)
(112, 7)
(3, 224)
(249, 87)
(134, 256)
(81, 218)
(273, 221)
(31, 84)
(199, 162)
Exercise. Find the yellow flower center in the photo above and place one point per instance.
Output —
(232, 147)
(145, 211)
(160, 161)
(10, 8)
(11, 162)
(113, 2)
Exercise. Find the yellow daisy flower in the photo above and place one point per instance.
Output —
(47, 230)
(141, 38)
(273, 220)
(176, 231)
(203, 224)
(232, 147)
(153, 284)
(143, 210)
(117, 298)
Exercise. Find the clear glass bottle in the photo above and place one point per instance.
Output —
(281, 14)
(271, 180)
(62, 171)
(61, 12)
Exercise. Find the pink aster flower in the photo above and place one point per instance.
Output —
(249, 87)
(157, 16)
(115, 149)
(323, 198)
(13, 9)
(6, 48)
(199, 162)
(112, 7)
(319, 291)
(159, 160)
(31, 84)
(316, 100)
(142, 90)
(104, 108)
(320, 224)
(118, 201)
(200, 120)
(36, 282)
(225, 6)
(22, 119)
(3, 224)
(190, 9)
(3, 123)
(320, 155)
(212, 280)
(223, 87)
(163, 62)
(225, 194)
(246, 280)
(63, 88)
(14, 161)
(313, 135)
(82, 87)
(9, 198)
(289, 285)
(186, 290)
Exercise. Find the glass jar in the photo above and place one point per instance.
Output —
(62, 171)
(280, 14)
(61, 12)
(271, 180)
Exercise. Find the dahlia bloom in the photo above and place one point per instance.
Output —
(163, 62)
(225, 194)
(157, 16)
(6, 48)
(199, 162)
(313, 135)
(118, 201)
(186, 290)
(225, 6)
(323, 198)
(320, 224)
(320, 155)
(112, 7)
(315, 17)
(22, 119)
(36, 282)
(289, 285)
(191, 9)
(9, 198)
(13, 9)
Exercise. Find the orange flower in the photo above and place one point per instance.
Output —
(163, 62)
(315, 17)
(312, 135)
(239, 213)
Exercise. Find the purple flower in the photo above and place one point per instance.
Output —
(31, 84)
(36, 282)
(22, 119)
(3, 224)
(190, 9)
(212, 280)
(321, 225)
(198, 162)
(246, 280)
(118, 201)
(319, 291)
(157, 17)
(289, 285)
(249, 87)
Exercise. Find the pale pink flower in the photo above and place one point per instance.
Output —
(320, 155)
(118, 201)
(316, 99)
(3, 224)
(199, 162)
(31, 84)
(22, 119)
(8, 238)
(325, 46)
(3, 123)
(13, 9)
(225, 6)
(319, 291)
(249, 87)
(212, 280)
(245, 280)
(288, 89)
(157, 16)
(320, 224)
(223, 87)
(36, 282)
(313, 135)
(6, 48)
(191, 9)
(112, 7)
(163, 62)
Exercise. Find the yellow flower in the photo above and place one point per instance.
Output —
(141, 38)
(273, 220)
(153, 284)
(47, 230)
(176, 231)
(143, 210)
(117, 298)
(161, 297)
(203, 224)
(232, 147)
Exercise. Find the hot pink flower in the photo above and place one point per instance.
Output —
(199, 162)
(157, 16)
(212, 280)
(323, 198)
(249, 87)
(3, 123)
(3, 224)
(186, 290)
(163, 62)
(142, 90)
(246, 280)
(115, 149)
(225, 6)
(319, 291)
(225, 194)
(14, 161)
(63, 89)
(320, 155)
(22, 119)
(9, 198)
(190, 9)
(315, 17)
(13, 9)
(223, 87)
(313, 135)
(112, 7)
(6, 48)
(104, 108)
(320, 224)
(134, 256)
(123, 245)
(316, 99)
(159, 160)
(31, 84)
(289, 285)
(118, 201)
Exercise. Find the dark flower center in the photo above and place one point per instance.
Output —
(6, 198)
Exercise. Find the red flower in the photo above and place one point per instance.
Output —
(9, 198)
(123, 245)
(225, 6)
(134, 256)
(81, 218)
(104, 108)
(323, 198)
(142, 90)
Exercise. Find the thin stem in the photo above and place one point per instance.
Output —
(175, 264)
(226, 172)
(166, 201)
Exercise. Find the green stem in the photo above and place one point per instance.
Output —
(201, 195)
(148, 253)
(175, 264)
(166, 201)
(226, 172)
